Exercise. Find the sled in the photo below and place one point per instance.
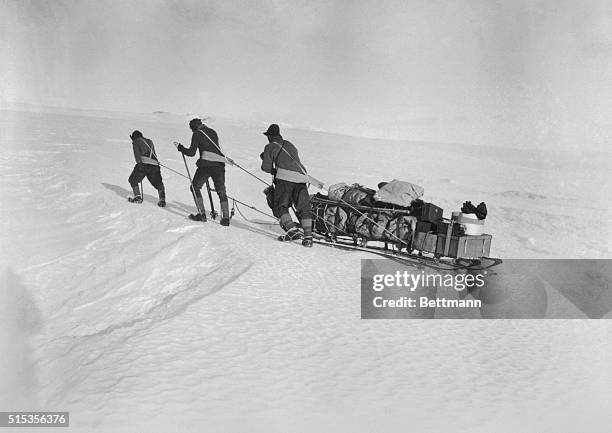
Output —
(449, 250)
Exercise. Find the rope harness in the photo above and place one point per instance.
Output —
(303, 170)
(410, 258)
(384, 229)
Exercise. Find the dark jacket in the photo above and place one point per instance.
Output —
(144, 151)
(288, 165)
(210, 153)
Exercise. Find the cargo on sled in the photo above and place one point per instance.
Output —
(395, 219)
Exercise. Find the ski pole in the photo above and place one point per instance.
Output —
(213, 213)
(193, 194)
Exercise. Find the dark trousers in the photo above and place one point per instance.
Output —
(149, 171)
(287, 194)
(217, 173)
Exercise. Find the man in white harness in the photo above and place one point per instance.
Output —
(146, 165)
(280, 159)
(211, 164)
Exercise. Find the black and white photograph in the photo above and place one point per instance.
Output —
(306, 216)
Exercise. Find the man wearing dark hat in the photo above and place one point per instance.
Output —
(147, 166)
(210, 164)
(280, 158)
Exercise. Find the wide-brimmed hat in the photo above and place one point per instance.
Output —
(273, 131)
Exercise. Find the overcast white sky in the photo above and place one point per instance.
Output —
(485, 72)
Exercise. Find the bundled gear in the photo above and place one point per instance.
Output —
(337, 191)
(335, 219)
(391, 195)
(480, 210)
(398, 192)
(411, 227)
(147, 165)
(358, 195)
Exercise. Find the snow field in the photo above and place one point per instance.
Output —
(134, 318)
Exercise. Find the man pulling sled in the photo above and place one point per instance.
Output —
(280, 159)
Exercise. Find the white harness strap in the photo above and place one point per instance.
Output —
(212, 156)
(208, 155)
(149, 159)
(310, 180)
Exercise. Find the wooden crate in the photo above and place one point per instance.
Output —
(464, 246)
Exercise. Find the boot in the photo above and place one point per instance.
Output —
(201, 215)
(286, 222)
(162, 196)
(225, 219)
(137, 196)
(291, 235)
(307, 226)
